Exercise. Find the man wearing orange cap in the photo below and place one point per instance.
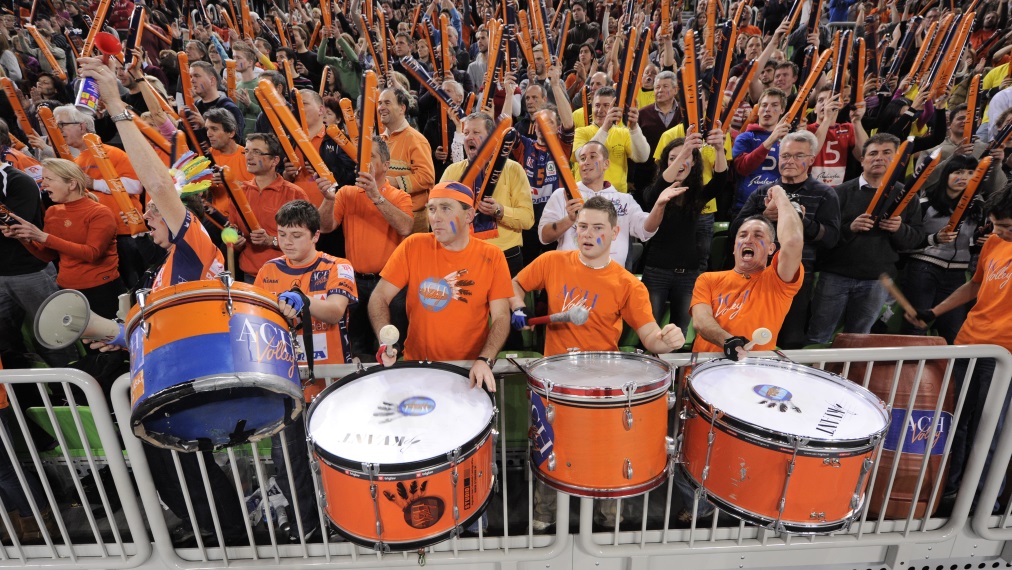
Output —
(458, 289)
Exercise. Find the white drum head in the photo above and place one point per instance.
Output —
(790, 398)
(607, 370)
(400, 415)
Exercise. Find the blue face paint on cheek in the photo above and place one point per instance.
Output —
(762, 244)
(453, 227)
(598, 241)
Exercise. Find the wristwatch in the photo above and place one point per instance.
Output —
(487, 360)
(126, 115)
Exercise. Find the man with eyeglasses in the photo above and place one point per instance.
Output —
(266, 193)
(848, 286)
(756, 151)
(819, 209)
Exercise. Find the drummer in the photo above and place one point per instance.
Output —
(329, 284)
(191, 257)
(458, 289)
(591, 279)
(728, 306)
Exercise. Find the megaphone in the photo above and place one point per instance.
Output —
(66, 317)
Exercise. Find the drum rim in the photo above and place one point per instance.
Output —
(750, 428)
(403, 546)
(649, 389)
(295, 405)
(393, 469)
(763, 521)
(246, 293)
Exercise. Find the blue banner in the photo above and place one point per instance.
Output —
(915, 432)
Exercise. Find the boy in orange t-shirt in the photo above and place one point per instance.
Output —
(329, 284)
(458, 288)
(728, 306)
(590, 279)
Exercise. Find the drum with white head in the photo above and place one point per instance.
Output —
(421, 435)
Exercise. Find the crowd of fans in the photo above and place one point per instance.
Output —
(669, 183)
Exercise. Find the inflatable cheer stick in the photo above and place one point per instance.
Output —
(292, 125)
(133, 218)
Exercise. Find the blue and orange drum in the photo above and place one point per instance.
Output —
(211, 366)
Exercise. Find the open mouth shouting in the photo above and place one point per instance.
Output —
(747, 252)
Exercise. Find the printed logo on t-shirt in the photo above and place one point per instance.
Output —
(318, 280)
(345, 271)
(998, 273)
(727, 307)
(577, 297)
(436, 293)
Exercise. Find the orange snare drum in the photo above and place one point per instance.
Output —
(405, 454)
(779, 444)
(599, 423)
(211, 366)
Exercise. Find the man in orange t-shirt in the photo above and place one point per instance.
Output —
(986, 323)
(590, 279)
(266, 193)
(458, 289)
(374, 222)
(728, 306)
(220, 126)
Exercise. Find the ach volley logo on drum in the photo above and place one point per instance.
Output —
(420, 510)
(413, 406)
(435, 293)
(774, 396)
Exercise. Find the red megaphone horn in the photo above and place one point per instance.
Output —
(108, 44)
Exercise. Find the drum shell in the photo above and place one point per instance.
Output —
(748, 475)
(916, 429)
(349, 503)
(204, 379)
(596, 454)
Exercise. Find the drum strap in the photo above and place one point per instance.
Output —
(307, 334)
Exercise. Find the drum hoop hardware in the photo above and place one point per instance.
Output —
(142, 302)
(453, 458)
(778, 525)
(710, 437)
(227, 281)
(372, 469)
(627, 420)
(627, 469)
(549, 406)
(856, 501)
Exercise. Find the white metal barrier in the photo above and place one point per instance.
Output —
(872, 541)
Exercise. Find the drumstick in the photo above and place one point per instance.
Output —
(893, 290)
(576, 315)
(762, 335)
(229, 237)
(388, 337)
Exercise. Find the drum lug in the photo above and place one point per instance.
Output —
(627, 469)
(672, 400)
(831, 462)
(551, 461)
(454, 457)
(227, 281)
(670, 446)
(627, 418)
(549, 407)
(142, 301)
(550, 413)
(817, 516)
(855, 500)
(495, 438)
(372, 469)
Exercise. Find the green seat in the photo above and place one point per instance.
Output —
(720, 227)
(65, 420)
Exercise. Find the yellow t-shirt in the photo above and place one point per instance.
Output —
(513, 192)
(620, 148)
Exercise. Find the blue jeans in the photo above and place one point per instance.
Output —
(670, 286)
(857, 301)
(704, 239)
(926, 285)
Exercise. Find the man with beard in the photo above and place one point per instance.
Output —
(477, 68)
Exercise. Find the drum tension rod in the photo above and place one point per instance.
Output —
(778, 525)
(142, 301)
(227, 281)
(627, 419)
(549, 407)
(372, 469)
(454, 457)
